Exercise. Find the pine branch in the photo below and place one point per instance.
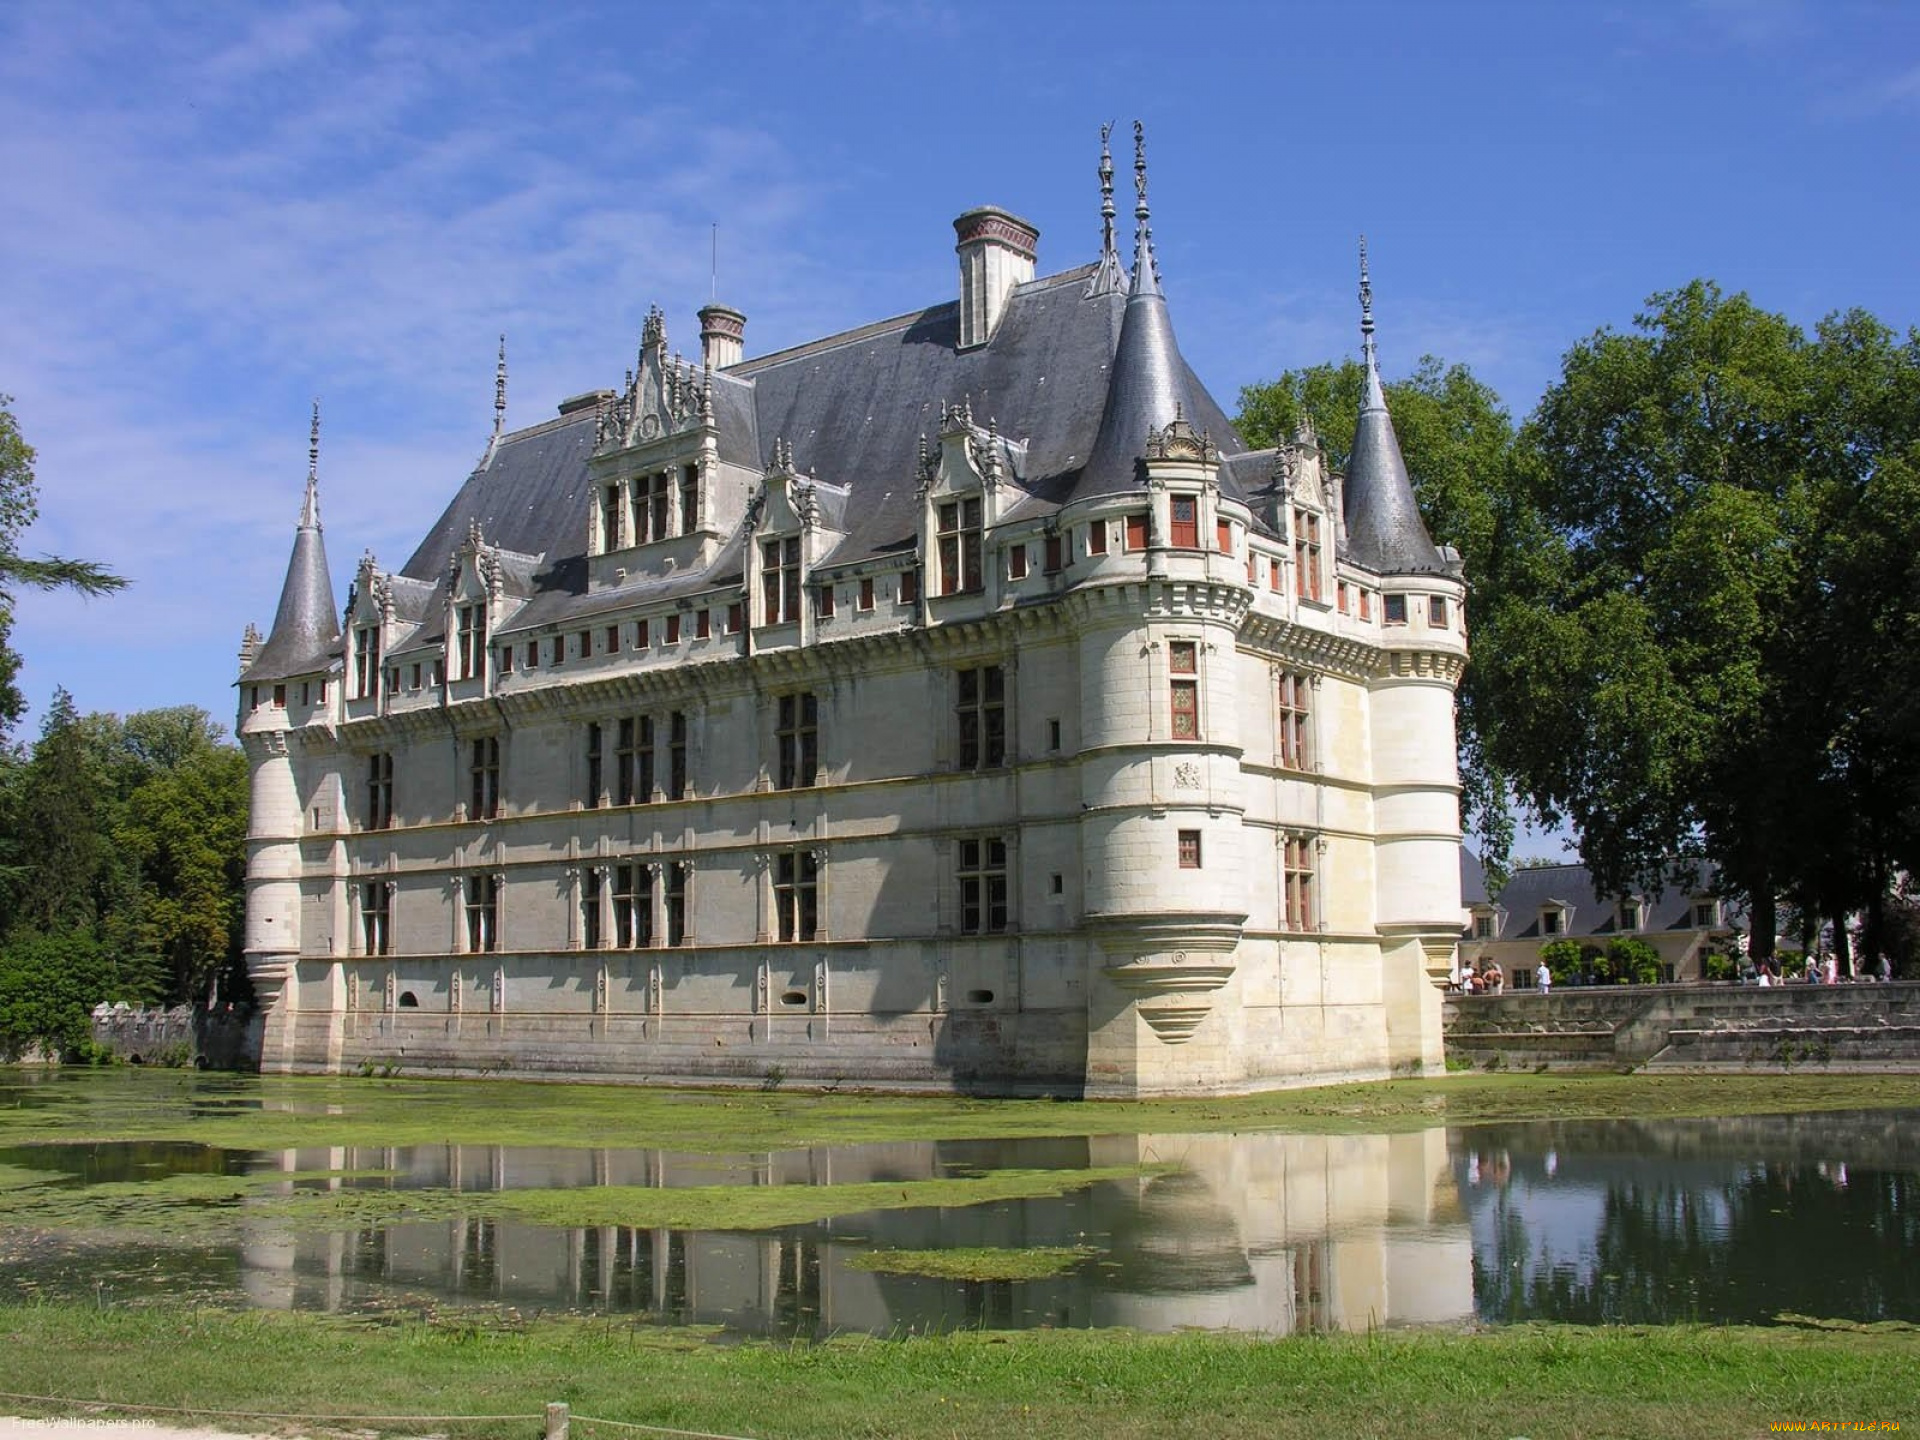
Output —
(54, 573)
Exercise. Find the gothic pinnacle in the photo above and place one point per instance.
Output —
(310, 509)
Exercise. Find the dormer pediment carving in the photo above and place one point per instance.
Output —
(663, 398)
(1180, 441)
(971, 459)
(372, 600)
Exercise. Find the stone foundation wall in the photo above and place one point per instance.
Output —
(181, 1035)
(1862, 1026)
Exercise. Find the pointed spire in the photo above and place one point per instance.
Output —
(1108, 277)
(310, 508)
(1146, 270)
(1148, 386)
(1374, 398)
(1384, 528)
(500, 392)
(306, 626)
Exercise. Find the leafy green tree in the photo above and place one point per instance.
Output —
(1633, 962)
(55, 827)
(1716, 670)
(49, 985)
(1562, 959)
(18, 509)
(186, 827)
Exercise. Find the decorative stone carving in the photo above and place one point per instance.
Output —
(1186, 775)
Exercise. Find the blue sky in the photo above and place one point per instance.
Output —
(217, 212)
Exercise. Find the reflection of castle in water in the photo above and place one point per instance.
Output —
(1269, 1233)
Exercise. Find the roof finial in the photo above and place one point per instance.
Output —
(1375, 397)
(500, 391)
(1146, 271)
(310, 511)
(1107, 275)
(1106, 191)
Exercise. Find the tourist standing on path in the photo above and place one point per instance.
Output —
(1543, 977)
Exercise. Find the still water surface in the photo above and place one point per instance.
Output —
(1596, 1221)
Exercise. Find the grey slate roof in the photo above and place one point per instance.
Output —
(1151, 385)
(306, 627)
(1529, 891)
(1384, 530)
(853, 406)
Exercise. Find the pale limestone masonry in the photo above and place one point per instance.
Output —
(953, 702)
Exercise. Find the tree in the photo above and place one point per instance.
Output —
(57, 844)
(18, 509)
(1633, 962)
(1719, 669)
(186, 827)
(49, 985)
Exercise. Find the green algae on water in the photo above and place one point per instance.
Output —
(1039, 1262)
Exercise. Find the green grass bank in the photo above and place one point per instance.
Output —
(255, 1113)
(1063, 1384)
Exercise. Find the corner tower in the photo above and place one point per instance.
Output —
(1416, 777)
(284, 684)
(1161, 804)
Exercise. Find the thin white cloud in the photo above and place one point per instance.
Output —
(336, 200)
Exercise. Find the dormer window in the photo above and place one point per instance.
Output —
(609, 517)
(689, 498)
(471, 642)
(1552, 921)
(366, 660)
(780, 580)
(1630, 915)
(1706, 914)
(651, 494)
(959, 536)
(1306, 554)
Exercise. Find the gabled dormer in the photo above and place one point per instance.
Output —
(658, 502)
(967, 482)
(1306, 511)
(474, 595)
(369, 637)
(800, 518)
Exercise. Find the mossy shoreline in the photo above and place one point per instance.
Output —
(1070, 1385)
(268, 1113)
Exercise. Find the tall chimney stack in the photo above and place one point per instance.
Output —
(722, 336)
(997, 250)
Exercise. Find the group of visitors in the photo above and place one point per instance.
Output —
(1821, 969)
(1484, 979)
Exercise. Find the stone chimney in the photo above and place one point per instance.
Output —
(996, 249)
(722, 336)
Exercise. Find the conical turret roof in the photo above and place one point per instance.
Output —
(1384, 529)
(1148, 386)
(306, 627)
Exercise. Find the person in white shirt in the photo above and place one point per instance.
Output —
(1543, 977)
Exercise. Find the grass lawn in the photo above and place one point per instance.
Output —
(253, 1113)
(1101, 1385)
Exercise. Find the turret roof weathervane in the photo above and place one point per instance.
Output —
(310, 510)
(500, 391)
(1107, 276)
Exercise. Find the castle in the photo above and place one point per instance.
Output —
(950, 702)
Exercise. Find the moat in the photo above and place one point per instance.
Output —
(1648, 1222)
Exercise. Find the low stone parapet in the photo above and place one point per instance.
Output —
(1685, 1026)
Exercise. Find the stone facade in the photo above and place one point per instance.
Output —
(788, 718)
